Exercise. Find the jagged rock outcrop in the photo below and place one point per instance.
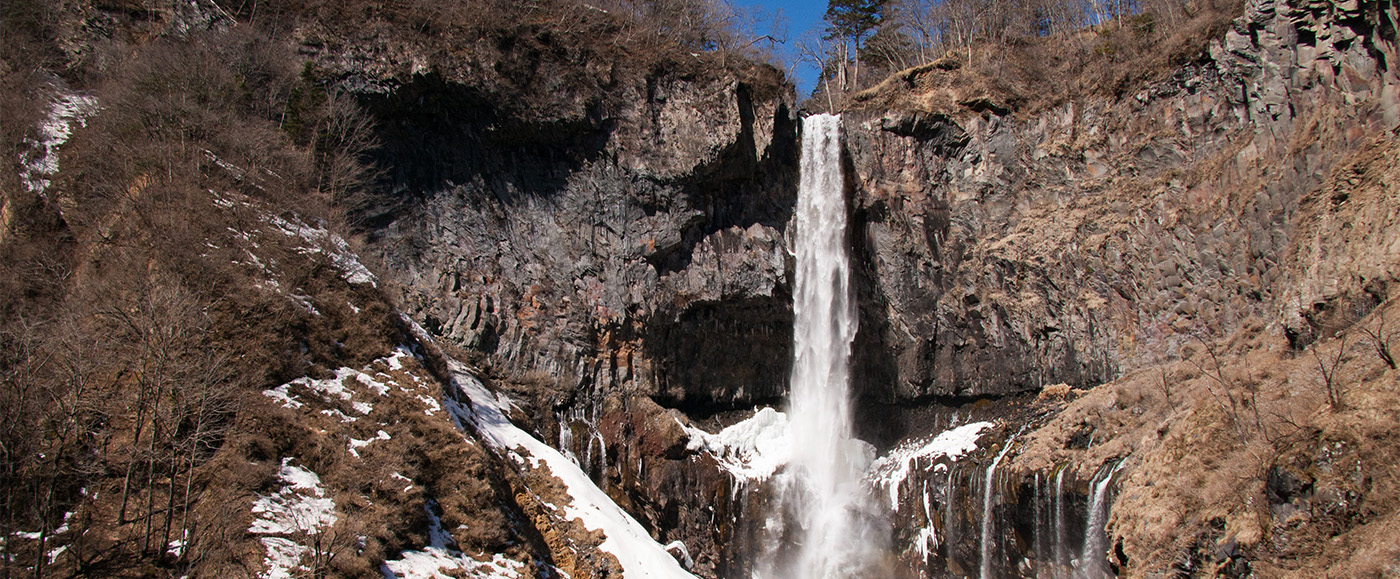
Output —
(1004, 252)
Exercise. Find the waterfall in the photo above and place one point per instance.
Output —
(1061, 550)
(826, 492)
(987, 546)
(1094, 556)
(1038, 532)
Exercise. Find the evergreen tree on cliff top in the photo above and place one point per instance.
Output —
(852, 20)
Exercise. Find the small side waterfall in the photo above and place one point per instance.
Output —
(987, 546)
(1093, 559)
(1061, 548)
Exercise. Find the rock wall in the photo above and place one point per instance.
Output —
(605, 268)
(578, 252)
(1004, 252)
(1106, 241)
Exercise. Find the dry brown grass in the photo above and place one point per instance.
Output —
(1028, 75)
(1199, 468)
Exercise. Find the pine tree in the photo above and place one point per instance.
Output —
(852, 20)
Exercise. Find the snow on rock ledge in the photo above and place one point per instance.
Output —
(751, 450)
(890, 470)
(474, 407)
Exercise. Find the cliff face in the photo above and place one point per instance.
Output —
(1214, 247)
(1007, 252)
(579, 251)
(601, 263)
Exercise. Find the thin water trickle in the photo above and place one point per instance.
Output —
(985, 569)
(1093, 560)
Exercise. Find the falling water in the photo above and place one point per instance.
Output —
(987, 546)
(1061, 550)
(1038, 545)
(826, 491)
(1094, 556)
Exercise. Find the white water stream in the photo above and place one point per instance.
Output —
(985, 552)
(825, 493)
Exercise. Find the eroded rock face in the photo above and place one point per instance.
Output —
(604, 266)
(561, 251)
(1002, 253)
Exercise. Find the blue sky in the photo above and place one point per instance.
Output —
(801, 17)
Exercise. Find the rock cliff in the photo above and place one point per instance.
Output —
(1201, 245)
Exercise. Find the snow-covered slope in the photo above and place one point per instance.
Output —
(486, 414)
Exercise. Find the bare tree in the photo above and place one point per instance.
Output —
(1226, 388)
(1380, 339)
(816, 50)
(1328, 368)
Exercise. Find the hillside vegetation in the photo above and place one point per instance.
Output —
(178, 182)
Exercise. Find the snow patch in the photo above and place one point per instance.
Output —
(378, 387)
(300, 508)
(395, 361)
(441, 559)
(625, 538)
(336, 388)
(283, 558)
(333, 245)
(751, 450)
(283, 397)
(337, 414)
(432, 405)
(41, 161)
(891, 470)
(355, 444)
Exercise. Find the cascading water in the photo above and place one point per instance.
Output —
(986, 547)
(824, 493)
(1092, 561)
(1061, 549)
